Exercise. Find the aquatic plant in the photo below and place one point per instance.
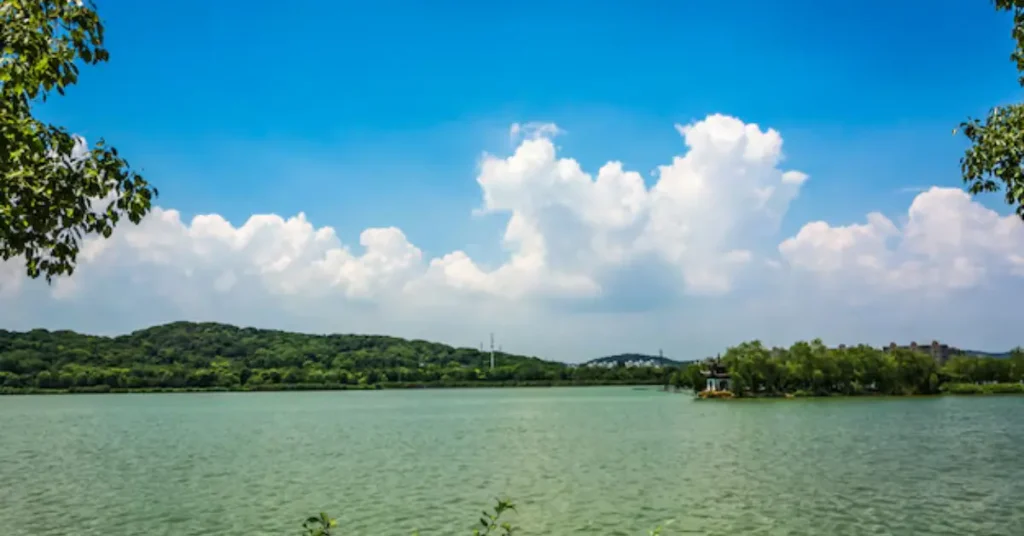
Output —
(491, 523)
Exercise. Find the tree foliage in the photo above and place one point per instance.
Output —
(186, 355)
(54, 190)
(688, 377)
(211, 356)
(996, 152)
(813, 369)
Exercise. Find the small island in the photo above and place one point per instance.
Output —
(812, 369)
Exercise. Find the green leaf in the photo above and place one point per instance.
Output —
(43, 40)
(996, 151)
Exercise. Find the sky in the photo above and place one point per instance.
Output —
(581, 179)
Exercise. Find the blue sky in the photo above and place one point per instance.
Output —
(376, 114)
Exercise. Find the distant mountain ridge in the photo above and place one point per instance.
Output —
(634, 359)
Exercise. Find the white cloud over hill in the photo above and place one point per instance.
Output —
(596, 263)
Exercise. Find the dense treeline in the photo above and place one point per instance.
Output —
(812, 369)
(210, 356)
(186, 355)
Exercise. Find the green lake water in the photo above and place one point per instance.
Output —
(597, 461)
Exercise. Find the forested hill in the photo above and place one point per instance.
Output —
(202, 343)
(210, 355)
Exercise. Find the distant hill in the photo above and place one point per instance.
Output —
(198, 344)
(189, 355)
(634, 360)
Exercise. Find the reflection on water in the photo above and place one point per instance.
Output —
(602, 461)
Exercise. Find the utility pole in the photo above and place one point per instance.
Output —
(492, 351)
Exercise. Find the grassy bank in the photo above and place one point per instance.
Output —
(983, 389)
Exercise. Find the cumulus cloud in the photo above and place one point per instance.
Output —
(593, 259)
(949, 242)
(268, 254)
(572, 234)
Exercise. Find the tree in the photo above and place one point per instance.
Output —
(692, 377)
(996, 152)
(54, 190)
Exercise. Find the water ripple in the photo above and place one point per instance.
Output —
(578, 461)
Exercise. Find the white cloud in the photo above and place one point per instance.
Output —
(518, 131)
(269, 254)
(571, 233)
(595, 262)
(948, 243)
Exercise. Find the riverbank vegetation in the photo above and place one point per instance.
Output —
(186, 356)
(812, 369)
(983, 388)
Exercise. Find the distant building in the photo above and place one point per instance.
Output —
(716, 376)
(629, 361)
(623, 363)
(939, 352)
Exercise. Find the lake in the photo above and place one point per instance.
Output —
(601, 461)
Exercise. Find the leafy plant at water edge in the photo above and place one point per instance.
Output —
(323, 525)
(490, 522)
(319, 525)
(656, 531)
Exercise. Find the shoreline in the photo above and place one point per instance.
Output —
(952, 389)
(277, 388)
